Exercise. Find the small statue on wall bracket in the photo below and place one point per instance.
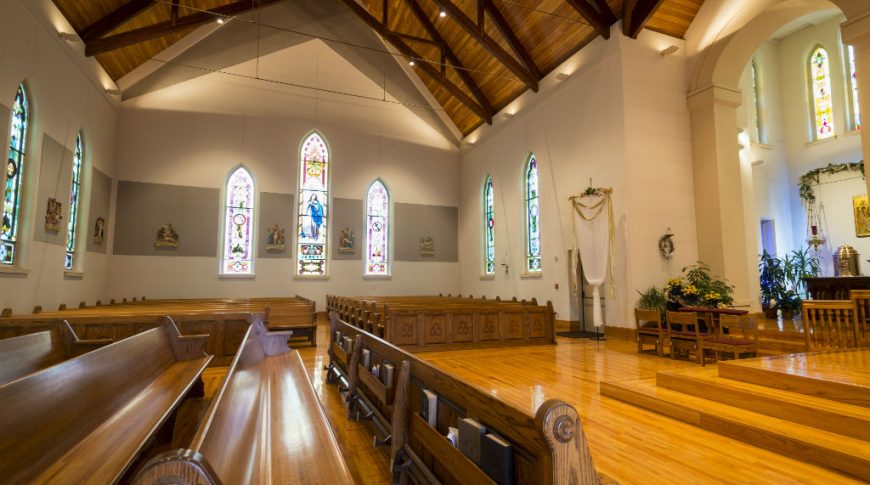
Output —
(167, 237)
(348, 241)
(99, 231)
(427, 246)
(274, 238)
(52, 215)
(666, 245)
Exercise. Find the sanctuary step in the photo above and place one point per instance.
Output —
(813, 407)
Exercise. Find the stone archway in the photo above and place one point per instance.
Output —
(727, 238)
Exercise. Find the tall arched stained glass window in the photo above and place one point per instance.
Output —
(853, 91)
(14, 178)
(378, 229)
(488, 227)
(533, 216)
(312, 226)
(238, 256)
(822, 103)
(74, 196)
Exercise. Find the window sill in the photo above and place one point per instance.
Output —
(823, 140)
(853, 133)
(377, 277)
(311, 277)
(73, 275)
(763, 146)
(236, 276)
(487, 276)
(535, 275)
(13, 271)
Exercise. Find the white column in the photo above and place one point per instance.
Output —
(857, 34)
(721, 185)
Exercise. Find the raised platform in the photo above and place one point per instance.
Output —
(813, 407)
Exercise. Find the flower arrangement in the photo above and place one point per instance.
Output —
(697, 287)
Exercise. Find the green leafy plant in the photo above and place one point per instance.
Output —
(652, 299)
(782, 279)
(698, 287)
(811, 178)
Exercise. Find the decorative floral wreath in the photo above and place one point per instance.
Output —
(666, 244)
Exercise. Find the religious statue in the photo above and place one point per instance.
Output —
(315, 215)
(52, 215)
(348, 241)
(275, 238)
(99, 230)
(427, 246)
(167, 237)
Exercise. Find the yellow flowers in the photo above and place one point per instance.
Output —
(675, 282)
(690, 290)
(712, 296)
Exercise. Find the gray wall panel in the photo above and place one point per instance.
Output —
(275, 209)
(5, 113)
(142, 208)
(347, 213)
(101, 195)
(55, 175)
(413, 221)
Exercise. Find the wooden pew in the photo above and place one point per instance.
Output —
(264, 425)
(549, 447)
(86, 420)
(26, 354)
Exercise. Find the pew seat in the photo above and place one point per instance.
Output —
(87, 419)
(26, 354)
(264, 425)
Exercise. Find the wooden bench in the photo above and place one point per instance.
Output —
(549, 448)
(26, 354)
(87, 419)
(264, 425)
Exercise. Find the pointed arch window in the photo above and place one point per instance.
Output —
(14, 177)
(533, 216)
(760, 135)
(312, 221)
(488, 227)
(74, 199)
(238, 250)
(822, 102)
(853, 89)
(377, 229)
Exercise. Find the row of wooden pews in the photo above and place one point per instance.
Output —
(224, 321)
(393, 389)
(430, 323)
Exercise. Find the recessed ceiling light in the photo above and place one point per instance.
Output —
(442, 14)
(220, 20)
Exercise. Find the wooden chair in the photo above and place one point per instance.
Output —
(649, 327)
(830, 324)
(37, 309)
(685, 334)
(6, 312)
(862, 306)
(735, 334)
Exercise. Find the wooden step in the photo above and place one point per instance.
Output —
(842, 376)
(812, 445)
(781, 346)
(833, 416)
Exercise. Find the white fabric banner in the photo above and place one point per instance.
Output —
(593, 238)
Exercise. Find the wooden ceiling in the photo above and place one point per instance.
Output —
(475, 57)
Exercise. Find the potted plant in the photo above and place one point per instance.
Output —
(698, 287)
(652, 299)
(772, 279)
(782, 281)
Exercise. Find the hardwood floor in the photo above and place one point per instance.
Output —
(629, 444)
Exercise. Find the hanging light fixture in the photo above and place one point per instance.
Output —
(815, 234)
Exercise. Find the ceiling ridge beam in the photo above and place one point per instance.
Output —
(591, 15)
(115, 19)
(605, 12)
(452, 58)
(490, 45)
(423, 65)
(636, 14)
(510, 36)
(161, 29)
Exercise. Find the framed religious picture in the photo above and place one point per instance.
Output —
(100, 230)
(52, 215)
(427, 246)
(167, 237)
(274, 238)
(348, 241)
(862, 215)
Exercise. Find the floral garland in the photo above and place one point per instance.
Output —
(811, 178)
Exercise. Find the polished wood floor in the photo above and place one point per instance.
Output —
(629, 444)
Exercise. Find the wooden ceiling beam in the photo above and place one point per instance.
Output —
(595, 18)
(477, 33)
(115, 19)
(508, 33)
(423, 65)
(636, 13)
(125, 39)
(450, 56)
(605, 11)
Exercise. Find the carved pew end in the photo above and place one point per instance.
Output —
(187, 466)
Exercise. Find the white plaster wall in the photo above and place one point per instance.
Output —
(65, 98)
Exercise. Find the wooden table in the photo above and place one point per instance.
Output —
(835, 288)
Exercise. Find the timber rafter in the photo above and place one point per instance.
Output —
(635, 15)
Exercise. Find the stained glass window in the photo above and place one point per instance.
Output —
(853, 84)
(488, 227)
(311, 246)
(377, 229)
(238, 224)
(756, 93)
(74, 195)
(14, 179)
(533, 217)
(822, 104)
